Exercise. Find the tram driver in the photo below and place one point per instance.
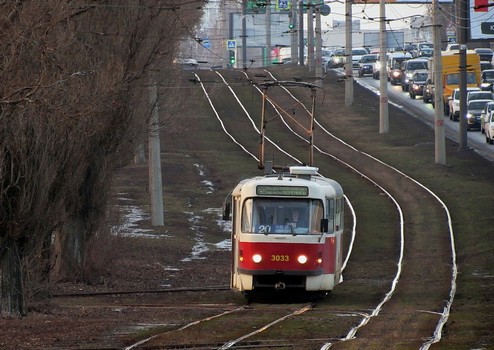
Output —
(298, 222)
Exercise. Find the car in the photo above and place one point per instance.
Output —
(325, 57)
(417, 83)
(453, 46)
(426, 52)
(409, 67)
(412, 49)
(489, 129)
(376, 69)
(485, 53)
(423, 46)
(428, 96)
(454, 102)
(487, 79)
(474, 109)
(395, 60)
(484, 65)
(357, 54)
(479, 95)
(365, 64)
(485, 114)
(337, 59)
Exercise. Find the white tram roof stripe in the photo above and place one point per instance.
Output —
(318, 186)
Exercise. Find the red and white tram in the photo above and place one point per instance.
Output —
(287, 232)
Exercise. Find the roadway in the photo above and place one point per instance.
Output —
(424, 111)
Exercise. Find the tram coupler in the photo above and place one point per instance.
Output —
(279, 286)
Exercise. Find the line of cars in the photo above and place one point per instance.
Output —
(413, 74)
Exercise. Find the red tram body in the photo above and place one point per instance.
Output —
(287, 232)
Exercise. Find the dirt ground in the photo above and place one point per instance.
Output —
(134, 261)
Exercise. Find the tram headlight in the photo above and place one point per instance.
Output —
(302, 259)
(256, 258)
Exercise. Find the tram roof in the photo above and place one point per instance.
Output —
(315, 184)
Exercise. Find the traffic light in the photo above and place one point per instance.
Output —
(291, 26)
(232, 57)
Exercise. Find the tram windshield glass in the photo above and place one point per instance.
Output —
(282, 216)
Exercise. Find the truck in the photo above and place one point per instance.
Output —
(450, 75)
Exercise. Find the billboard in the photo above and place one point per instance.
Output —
(481, 13)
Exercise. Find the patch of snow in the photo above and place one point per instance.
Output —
(224, 245)
(131, 215)
(208, 184)
(199, 167)
(225, 225)
(482, 274)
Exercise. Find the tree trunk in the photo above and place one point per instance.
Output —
(12, 298)
(70, 249)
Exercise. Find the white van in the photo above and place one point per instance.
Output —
(395, 59)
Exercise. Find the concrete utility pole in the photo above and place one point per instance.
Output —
(461, 32)
(440, 141)
(310, 36)
(383, 74)
(244, 33)
(155, 182)
(226, 60)
(318, 48)
(301, 45)
(348, 54)
(293, 21)
(268, 35)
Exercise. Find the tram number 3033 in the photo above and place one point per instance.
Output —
(282, 258)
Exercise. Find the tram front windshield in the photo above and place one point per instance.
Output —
(282, 216)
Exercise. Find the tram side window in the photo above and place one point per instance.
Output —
(339, 214)
(331, 214)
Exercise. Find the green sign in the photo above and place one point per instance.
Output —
(256, 6)
(265, 190)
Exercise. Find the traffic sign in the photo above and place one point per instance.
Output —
(283, 5)
(231, 44)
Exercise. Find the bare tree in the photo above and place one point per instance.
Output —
(72, 73)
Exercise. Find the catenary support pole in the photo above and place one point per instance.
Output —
(301, 45)
(319, 70)
(310, 36)
(155, 182)
(461, 30)
(440, 141)
(348, 54)
(383, 72)
(268, 35)
(244, 34)
(294, 37)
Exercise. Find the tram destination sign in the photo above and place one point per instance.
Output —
(265, 190)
